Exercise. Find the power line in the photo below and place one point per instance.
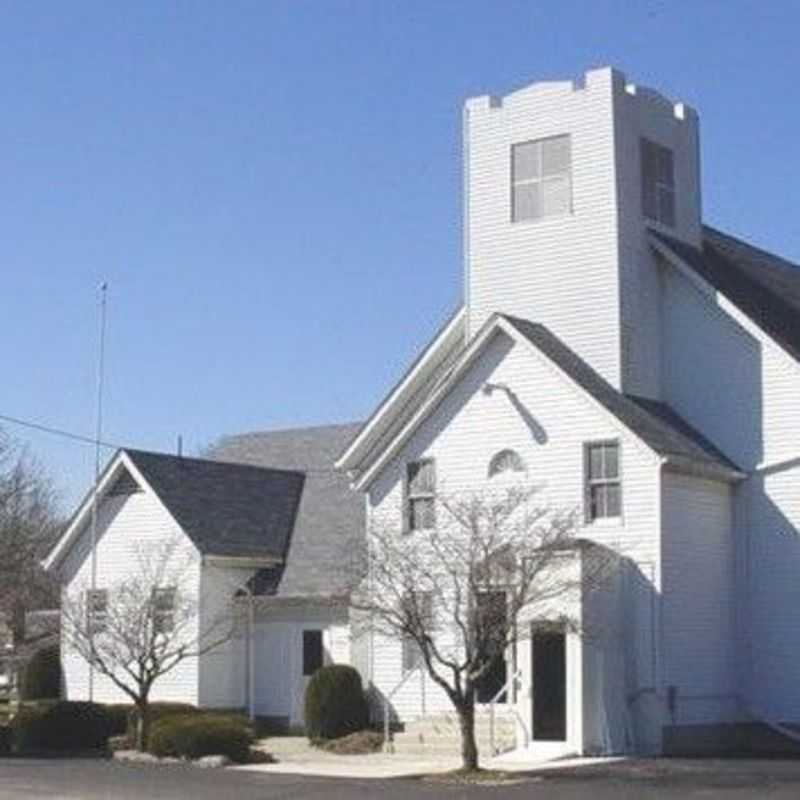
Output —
(77, 437)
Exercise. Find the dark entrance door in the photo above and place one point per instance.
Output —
(549, 685)
(493, 612)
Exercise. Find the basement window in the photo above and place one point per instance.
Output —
(541, 179)
(603, 484)
(658, 183)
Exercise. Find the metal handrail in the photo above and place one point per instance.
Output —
(511, 682)
(387, 697)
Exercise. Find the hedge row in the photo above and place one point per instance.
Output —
(59, 726)
(201, 734)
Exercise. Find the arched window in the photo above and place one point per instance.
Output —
(505, 461)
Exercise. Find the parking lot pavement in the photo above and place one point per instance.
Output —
(665, 779)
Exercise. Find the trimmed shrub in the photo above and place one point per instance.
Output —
(5, 740)
(196, 735)
(118, 714)
(42, 676)
(335, 703)
(61, 726)
(158, 711)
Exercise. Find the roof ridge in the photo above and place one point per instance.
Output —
(270, 431)
(208, 461)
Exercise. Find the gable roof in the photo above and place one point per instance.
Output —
(654, 422)
(231, 510)
(763, 286)
(331, 516)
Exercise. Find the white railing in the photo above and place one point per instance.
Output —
(387, 745)
(509, 687)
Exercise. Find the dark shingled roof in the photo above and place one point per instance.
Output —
(765, 287)
(225, 509)
(331, 518)
(653, 421)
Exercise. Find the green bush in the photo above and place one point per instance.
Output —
(335, 703)
(60, 726)
(158, 711)
(42, 676)
(197, 735)
(118, 714)
(5, 740)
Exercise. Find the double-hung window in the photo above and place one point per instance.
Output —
(421, 495)
(97, 610)
(658, 183)
(164, 610)
(541, 178)
(418, 615)
(603, 481)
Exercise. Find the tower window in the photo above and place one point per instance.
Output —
(658, 183)
(541, 178)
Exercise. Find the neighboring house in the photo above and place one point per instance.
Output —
(268, 525)
(613, 350)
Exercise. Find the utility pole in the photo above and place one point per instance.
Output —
(97, 440)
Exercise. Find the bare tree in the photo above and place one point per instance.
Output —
(459, 590)
(142, 627)
(28, 527)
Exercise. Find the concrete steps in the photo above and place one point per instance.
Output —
(440, 734)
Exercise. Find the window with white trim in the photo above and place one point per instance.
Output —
(541, 178)
(421, 495)
(603, 481)
(97, 610)
(658, 183)
(418, 612)
(164, 609)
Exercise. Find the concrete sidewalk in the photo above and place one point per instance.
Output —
(295, 756)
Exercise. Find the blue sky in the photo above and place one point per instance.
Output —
(272, 189)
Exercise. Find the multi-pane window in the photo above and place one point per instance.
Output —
(97, 610)
(163, 610)
(658, 183)
(421, 495)
(418, 613)
(603, 485)
(541, 178)
(313, 652)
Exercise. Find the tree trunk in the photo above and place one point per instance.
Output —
(469, 749)
(142, 725)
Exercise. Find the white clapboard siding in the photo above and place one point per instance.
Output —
(127, 526)
(698, 615)
(470, 426)
(730, 380)
(588, 275)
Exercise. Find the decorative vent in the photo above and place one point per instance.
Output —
(124, 485)
(506, 461)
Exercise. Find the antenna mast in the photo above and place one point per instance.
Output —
(97, 440)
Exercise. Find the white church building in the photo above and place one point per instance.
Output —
(649, 368)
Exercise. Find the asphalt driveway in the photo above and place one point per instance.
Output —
(665, 780)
